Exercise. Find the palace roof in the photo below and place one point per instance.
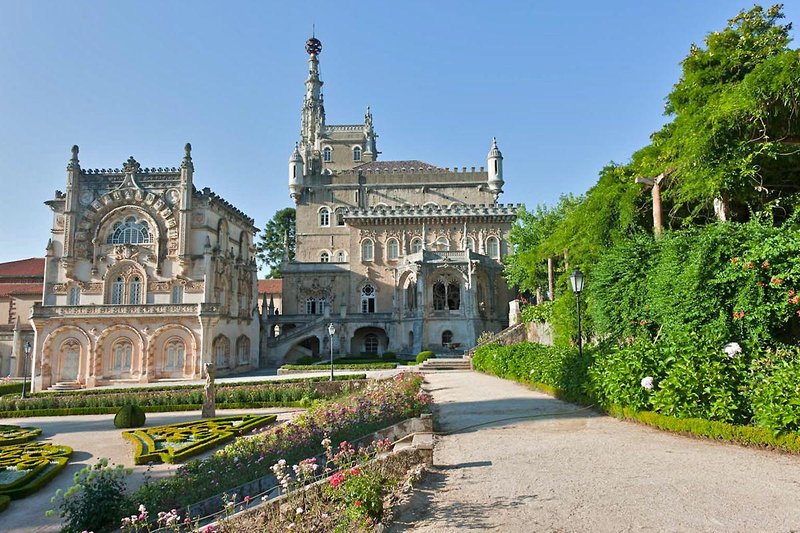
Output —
(33, 267)
(270, 286)
(387, 166)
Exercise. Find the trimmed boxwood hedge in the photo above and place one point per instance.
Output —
(201, 435)
(148, 409)
(339, 366)
(4, 502)
(42, 460)
(16, 435)
(231, 396)
(10, 388)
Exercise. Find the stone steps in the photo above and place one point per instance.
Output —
(450, 363)
(66, 385)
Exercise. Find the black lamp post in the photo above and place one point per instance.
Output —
(27, 350)
(576, 278)
(331, 332)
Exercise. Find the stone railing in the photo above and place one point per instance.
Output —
(41, 311)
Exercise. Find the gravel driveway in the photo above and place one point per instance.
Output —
(577, 470)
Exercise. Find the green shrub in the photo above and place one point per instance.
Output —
(389, 356)
(4, 502)
(96, 499)
(339, 366)
(10, 388)
(774, 396)
(425, 355)
(129, 416)
(542, 312)
(306, 360)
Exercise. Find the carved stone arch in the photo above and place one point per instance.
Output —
(47, 346)
(156, 340)
(100, 344)
(103, 227)
(134, 198)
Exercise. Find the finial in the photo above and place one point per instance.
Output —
(73, 161)
(313, 46)
(187, 155)
(131, 166)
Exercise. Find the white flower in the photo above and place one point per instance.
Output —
(732, 349)
(299, 510)
(647, 382)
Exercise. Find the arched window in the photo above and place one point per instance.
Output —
(177, 293)
(371, 343)
(470, 244)
(175, 354)
(392, 249)
(243, 349)
(135, 291)
(442, 244)
(340, 216)
(326, 154)
(222, 349)
(446, 296)
(74, 296)
(357, 153)
(324, 217)
(447, 337)
(416, 245)
(341, 256)
(493, 247)
(324, 257)
(122, 353)
(367, 250)
(117, 290)
(130, 231)
(368, 299)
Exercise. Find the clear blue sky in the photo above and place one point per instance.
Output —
(565, 88)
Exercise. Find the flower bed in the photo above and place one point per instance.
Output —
(26, 467)
(380, 404)
(239, 395)
(16, 435)
(353, 497)
(173, 443)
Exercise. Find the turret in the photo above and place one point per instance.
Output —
(370, 148)
(495, 161)
(295, 174)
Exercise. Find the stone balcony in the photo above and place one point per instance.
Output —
(50, 311)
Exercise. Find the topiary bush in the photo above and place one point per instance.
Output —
(425, 355)
(129, 416)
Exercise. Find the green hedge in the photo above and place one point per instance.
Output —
(17, 435)
(694, 383)
(339, 366)
(198, 437)
(4, 502)
(11, 388)
(41, 461)
(147, 409)
(424, 356)
(229, 394)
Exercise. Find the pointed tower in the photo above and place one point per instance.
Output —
(495, 163)
(312, 121)
(295, 175)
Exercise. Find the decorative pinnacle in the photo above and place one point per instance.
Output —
(187, 155)
(313, 46)
(73, 162)
(131, 165)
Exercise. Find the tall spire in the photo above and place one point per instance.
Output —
(313, 117)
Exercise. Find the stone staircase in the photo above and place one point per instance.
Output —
(66, 385)
(446, 363)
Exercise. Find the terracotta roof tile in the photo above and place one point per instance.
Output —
(270, 286)
(24, 267)
(20, 289)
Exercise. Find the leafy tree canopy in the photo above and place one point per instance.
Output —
(279, 232)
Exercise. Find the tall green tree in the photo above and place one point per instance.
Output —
(278, 234)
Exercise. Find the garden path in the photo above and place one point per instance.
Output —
(92, 437)
(582, 471)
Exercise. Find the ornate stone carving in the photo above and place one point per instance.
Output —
(159, 286)
(125, 251)
(91, 287)
(58, 288)
(195, 286)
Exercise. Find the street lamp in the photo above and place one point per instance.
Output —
(331, 332)
(576, 279)
(25, 367)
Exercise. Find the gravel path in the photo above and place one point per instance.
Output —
(582, 471)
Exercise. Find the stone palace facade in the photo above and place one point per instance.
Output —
(399, 255)
(145, 278)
